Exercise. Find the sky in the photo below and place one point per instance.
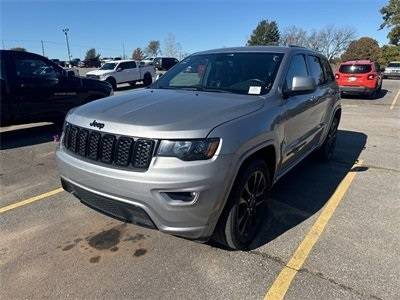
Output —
(196, 25)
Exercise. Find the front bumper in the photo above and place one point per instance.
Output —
(210, 180)
(392, 74)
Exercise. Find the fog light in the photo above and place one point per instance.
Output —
(181, 196)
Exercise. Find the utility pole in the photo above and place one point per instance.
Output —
(65, 30)
(42, 48)
(123, 51)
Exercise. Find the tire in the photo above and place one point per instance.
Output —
(147, 80)
(325, 152)
(246, 207)
(113, 83)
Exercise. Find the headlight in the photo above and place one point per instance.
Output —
(190, 149)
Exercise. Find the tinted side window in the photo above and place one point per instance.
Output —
(34, 68)
(297, 67)
(130, 65)
(316, 70)
(122, 66)
(329, 77)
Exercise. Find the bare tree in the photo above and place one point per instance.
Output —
(294, 36)
(171, 47)
(330, 41)
(153, 48)
(333, 41)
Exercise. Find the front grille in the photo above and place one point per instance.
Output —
(108, 148)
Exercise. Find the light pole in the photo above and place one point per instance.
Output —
(65, 30)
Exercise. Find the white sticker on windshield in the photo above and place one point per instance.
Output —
(255, 90)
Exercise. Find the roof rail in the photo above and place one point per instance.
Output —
(296, 46)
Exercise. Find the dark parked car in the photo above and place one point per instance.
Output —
(33, 89)
(165, 63)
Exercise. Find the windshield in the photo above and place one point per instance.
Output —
(241, 73)
(394, 65)
(108, 66)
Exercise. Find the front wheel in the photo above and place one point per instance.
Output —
(246, 205)
(112, 82)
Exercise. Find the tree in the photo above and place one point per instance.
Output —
(171, 47)
(363, 48)
(266, 33)
(331, 41)
(391, 19)
(21, 49)
(92, 55)
(294, 36)
(390, 53)
(153, 48)
(137, 54)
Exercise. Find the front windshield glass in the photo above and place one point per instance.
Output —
(240, 73)
(394, 65)
(108, 66)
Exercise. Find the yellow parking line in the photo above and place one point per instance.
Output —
(394, 100)
(286, 276)
(30, 200)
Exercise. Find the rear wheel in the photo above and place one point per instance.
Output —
(246, 205)
(326, 151)
(147, 80)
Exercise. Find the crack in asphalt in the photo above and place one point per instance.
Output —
(316, 274)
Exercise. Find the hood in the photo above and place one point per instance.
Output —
(171, 114)
(99, 72)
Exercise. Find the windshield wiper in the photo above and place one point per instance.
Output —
(216, 90)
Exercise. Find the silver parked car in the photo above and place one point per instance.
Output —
(196, 153)
(392, 70)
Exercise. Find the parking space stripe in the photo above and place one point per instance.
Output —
(394, 100)
(286, 276)
(30, 200)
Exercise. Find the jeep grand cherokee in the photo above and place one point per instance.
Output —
(196, 153)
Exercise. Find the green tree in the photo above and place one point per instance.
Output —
(391, 19)
(390, 53)
(266, 33)
(137, 54)
(92, 55)
(18, 49)
(363, 48)
(153, 48)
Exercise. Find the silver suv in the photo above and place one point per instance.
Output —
(196, 153)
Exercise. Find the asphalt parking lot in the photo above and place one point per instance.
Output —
(333, 230)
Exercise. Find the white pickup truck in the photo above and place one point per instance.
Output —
(123, 71)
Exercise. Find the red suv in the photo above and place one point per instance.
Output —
(359, 77)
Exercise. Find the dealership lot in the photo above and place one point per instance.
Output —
(53, 246)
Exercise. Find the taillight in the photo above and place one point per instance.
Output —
(371, 76)
(337, 76)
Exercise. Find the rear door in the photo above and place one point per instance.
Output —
(324, 95)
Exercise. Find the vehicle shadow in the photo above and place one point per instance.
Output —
(380, 95)
(304, 190)
(29, 136)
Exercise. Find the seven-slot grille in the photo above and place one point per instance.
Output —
(107, 148)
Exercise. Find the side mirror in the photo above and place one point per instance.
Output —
(159, 76)
(301, 85)
(119, 70)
